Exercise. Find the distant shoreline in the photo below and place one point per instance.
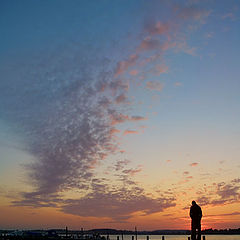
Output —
(127, 232)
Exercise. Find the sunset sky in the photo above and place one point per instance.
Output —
(116, 114)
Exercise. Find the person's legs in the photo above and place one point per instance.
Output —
(193, 235)
(199, 231)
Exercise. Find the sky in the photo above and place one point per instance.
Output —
(116, 114)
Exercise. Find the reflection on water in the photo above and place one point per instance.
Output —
(176, 237)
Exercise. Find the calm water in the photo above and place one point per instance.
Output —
(177, 237)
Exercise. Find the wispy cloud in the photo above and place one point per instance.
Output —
(117, 205)
(157, 28)
(158, 86)
(123, 66)
(220, 194)
(194, 164)
(126, 132)
(117, 117)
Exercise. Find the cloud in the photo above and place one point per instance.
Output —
(157, 28)
(134, 72)
(121, 98)
(228, 191)
(106, 199)
(193, 164)
(137, 118)
(123, 66)
(223, 214)
(192, 12)
(114, 130)
(132, 172)
(154, 86)
(116, 205)
(220, 193)
(236, 180)
(121, 164)
(149, 44)
(104, 102)
(117, 117)
(184, 47)
(117, 202)
(126, 132)
(152, 44)
(67, 114)
(160, 68)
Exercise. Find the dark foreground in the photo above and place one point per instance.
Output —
(103, 234)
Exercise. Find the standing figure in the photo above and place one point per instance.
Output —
(196, 215)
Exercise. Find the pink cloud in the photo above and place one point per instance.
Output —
(121, 98)
(149, 59)
(157, 28)
(133, 72)
(124, 65)
(118, 118)
(114, 130)
(184, 47)
(161, 68)
(149, 44)
(118, 84)
(193, 164)
(126, 132)
(154, 86)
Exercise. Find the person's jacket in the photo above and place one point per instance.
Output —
(195, 212)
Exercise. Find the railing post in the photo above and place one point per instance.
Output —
(163, 237)
(132, 237)
(66, 231)
(147, 237)
(117, 237)
(204, 238)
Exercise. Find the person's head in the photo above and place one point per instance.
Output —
(193, 203)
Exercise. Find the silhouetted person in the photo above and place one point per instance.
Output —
(196, 215)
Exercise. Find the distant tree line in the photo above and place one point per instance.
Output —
(97, 234)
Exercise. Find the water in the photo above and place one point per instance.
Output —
(176, 237)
